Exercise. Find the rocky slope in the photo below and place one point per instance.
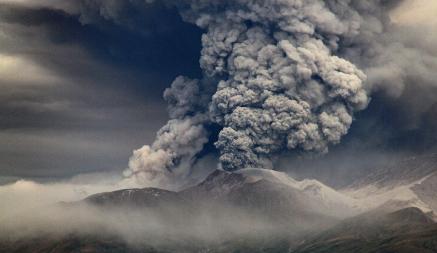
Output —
(409, 183)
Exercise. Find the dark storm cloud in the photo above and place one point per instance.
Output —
(77, 97)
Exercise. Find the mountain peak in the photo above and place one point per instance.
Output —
(216, 184)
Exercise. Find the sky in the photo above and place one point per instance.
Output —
(78, 94)
(78, 98)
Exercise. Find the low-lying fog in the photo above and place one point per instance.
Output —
(33, 210)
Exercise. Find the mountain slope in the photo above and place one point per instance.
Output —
(406, 230)
(398, 173)
(409, 183)
(147, 197)
(331, 201)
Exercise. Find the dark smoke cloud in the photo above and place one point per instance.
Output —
(286, 75)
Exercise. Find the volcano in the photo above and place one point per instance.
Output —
(255, 210)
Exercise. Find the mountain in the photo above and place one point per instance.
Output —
(147, 197)
(412, 182)
(267, 191)
(405, 230)
(249, 208)
(255, 210)
(257, 184)
(273, 197)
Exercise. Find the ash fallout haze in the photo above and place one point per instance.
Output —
(266, 124)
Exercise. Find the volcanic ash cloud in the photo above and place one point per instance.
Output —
(274, 80)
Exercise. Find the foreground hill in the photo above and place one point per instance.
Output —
(406, 230)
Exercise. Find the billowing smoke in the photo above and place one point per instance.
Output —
(177, 143)
(280, 85)
(278, 75)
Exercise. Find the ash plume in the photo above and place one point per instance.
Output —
(177, 143)
(278, 75)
